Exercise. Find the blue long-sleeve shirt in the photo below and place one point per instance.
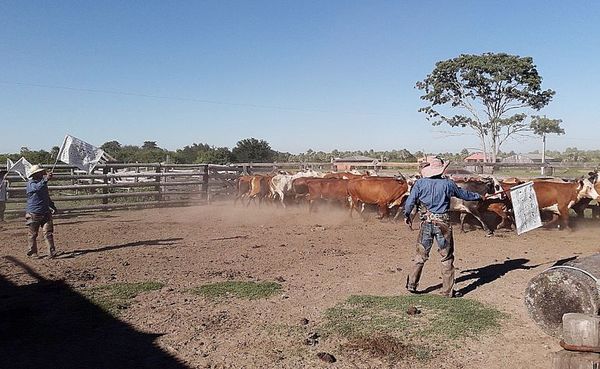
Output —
(435, 194)
(38, 198)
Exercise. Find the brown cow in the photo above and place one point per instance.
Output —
(380, 191)
(584, 203)
(345, 175)
(482, 186)
(503, 210)
(329, 189)
(243, 188)
(558, 198)
(259, 188)
(300, 186)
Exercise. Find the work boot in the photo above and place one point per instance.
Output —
(32, 254)
(453, 294)
(412, 288)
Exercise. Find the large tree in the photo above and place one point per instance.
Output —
(543, 126)
(488, 93)
(214, 155)
(112, 148)
(252, 150)
(149, 145)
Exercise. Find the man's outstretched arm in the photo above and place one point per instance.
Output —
(464, 194)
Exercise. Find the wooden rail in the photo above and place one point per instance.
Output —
(21, 189)
(118, 186)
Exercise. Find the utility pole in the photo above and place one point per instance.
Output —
(544, 149)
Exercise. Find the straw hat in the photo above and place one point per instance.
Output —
(36, 169)
(433, 167)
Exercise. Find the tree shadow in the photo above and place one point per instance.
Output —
(72, 222)
(486, 274)
(158, 242)
(60, 215)
(47, 324)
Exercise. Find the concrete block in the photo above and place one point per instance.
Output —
(581, 332)
(575, 360)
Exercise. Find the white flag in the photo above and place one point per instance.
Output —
(525, 208)
(80, 154)
(21, 167)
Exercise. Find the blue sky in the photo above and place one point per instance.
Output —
(300, 74)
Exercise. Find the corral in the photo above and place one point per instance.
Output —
(318, 260)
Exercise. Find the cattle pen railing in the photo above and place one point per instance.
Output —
(133, 185)
(118, 186)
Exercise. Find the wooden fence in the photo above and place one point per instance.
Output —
(117, 186)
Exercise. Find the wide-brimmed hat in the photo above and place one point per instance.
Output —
(433, 167)
(36, 169)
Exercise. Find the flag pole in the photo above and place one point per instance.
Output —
(59, 152)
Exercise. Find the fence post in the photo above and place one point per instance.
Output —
(158, 197)
(104, 189)
(205, 183)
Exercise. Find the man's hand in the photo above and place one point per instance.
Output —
(49, 175)
(408, 221)
(53, 207)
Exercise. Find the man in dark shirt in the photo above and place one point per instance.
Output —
(3, 194)
(38, 210)
(433, 192)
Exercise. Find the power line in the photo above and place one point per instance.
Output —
(188, 99)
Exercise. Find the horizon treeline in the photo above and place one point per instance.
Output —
(260, 151)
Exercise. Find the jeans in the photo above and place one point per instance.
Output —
(441, 232)
(34, 222)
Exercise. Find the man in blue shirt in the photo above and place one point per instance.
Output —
(433, 193)
(38, 210)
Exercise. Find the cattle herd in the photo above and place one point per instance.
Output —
(356, 191)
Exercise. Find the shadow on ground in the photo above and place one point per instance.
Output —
(46, 324)
(486, 274)
(158, 242)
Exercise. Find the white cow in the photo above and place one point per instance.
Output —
(281, 184)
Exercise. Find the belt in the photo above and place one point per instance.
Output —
(429, 217)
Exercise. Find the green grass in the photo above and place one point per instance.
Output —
(243, 290)
(381, 324)
(116, 297)
(535, 172)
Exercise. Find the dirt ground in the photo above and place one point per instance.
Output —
(320, 259)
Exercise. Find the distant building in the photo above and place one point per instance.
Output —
(528, 159)
(344, 164)
(477, 157)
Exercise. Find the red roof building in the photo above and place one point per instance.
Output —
(476, 157)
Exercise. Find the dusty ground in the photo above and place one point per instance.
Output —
(321, 258)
